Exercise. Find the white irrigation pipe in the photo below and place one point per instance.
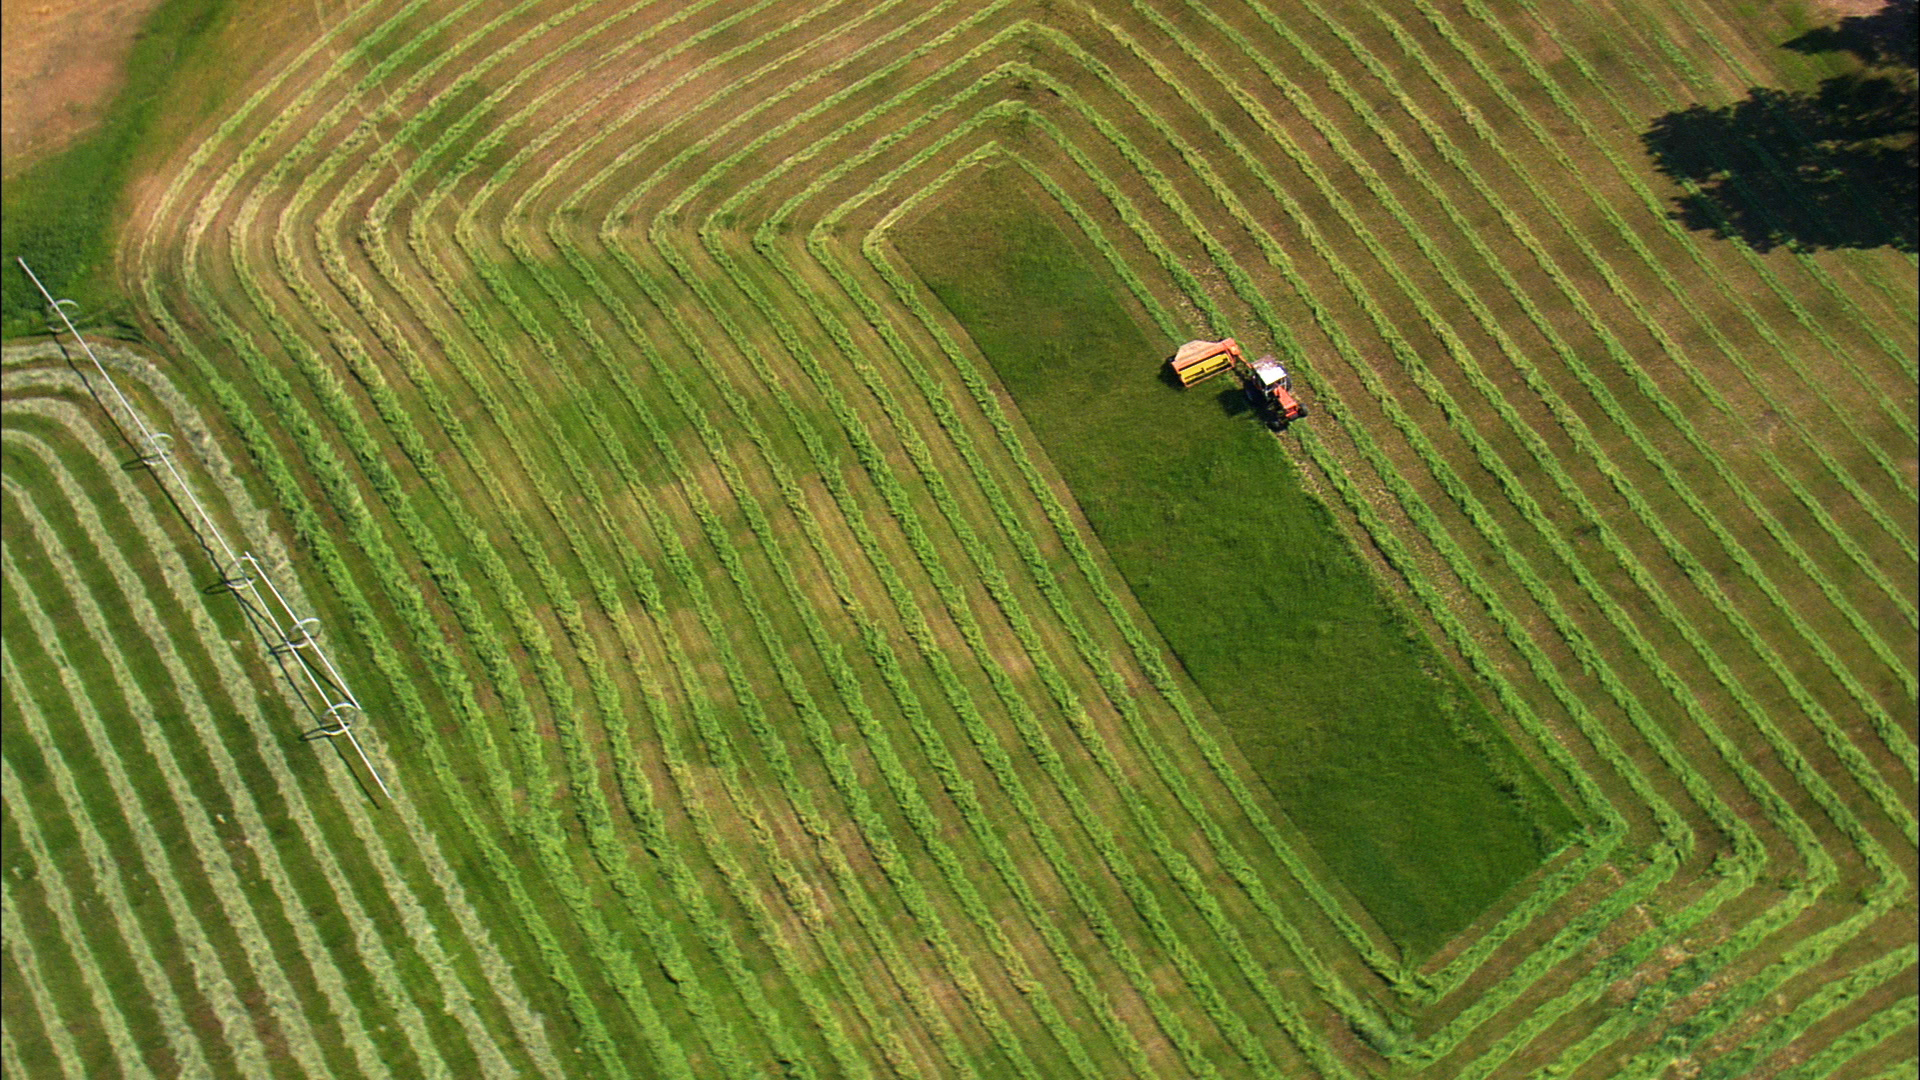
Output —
(161, 444)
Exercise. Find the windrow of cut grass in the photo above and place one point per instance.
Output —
(1629, 492)
(522, 314)
(918, 454)
(415, 861)
(1010, 291)
(384, 968)
(90, 964)
(759, 694)
(62, 1050)
(182, 1049)
(277, 943)
(332, 983)
(1634, 368)
(554, 853)
(761, 241)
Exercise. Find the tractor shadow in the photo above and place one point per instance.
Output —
(1233, 401)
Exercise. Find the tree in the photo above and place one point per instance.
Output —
(1830, 168)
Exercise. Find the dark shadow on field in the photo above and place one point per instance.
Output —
(1830, 168)
(1233, 400)
(1167, 376)
(232, 580)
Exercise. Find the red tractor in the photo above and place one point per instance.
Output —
(1266, 382)
(1270, 389)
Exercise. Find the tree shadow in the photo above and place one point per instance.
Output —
(1833, 168)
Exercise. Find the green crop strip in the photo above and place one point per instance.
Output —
(1485, 19)
(957, 352)
(1636, 372)
(186, 1051)
(381, 967)
(1857, 764)
(790, 344)
(392, 886)
(26, 967)
(792, 718)
(1203, 819)
(1697, 908)
(58, 898)
(552, 852)
(208, 853)
(986, 402)
(1010, 298)
(600, 422)
(1674, 289)
(376, 966)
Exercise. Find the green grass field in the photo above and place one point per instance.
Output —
(724, 447)
(1341, 707)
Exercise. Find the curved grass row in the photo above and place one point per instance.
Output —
(341, 902)
(535, 361)
(212, 475)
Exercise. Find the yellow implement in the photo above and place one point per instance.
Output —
(1200, 360)
(1204, 369)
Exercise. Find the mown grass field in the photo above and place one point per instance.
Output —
(772, 681)
(1340, 706)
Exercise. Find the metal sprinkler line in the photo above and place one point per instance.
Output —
(161, 445)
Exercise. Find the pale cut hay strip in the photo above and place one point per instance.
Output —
(188, 1056)
(27, 963)
(240, 690)
(258, 838)
(203, 959)
(282, 1002)
(59, 900)
(185, 422)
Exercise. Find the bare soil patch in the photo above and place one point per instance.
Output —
(1846, 8)
(60, 68)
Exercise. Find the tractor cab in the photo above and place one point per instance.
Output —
(1270, 389)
